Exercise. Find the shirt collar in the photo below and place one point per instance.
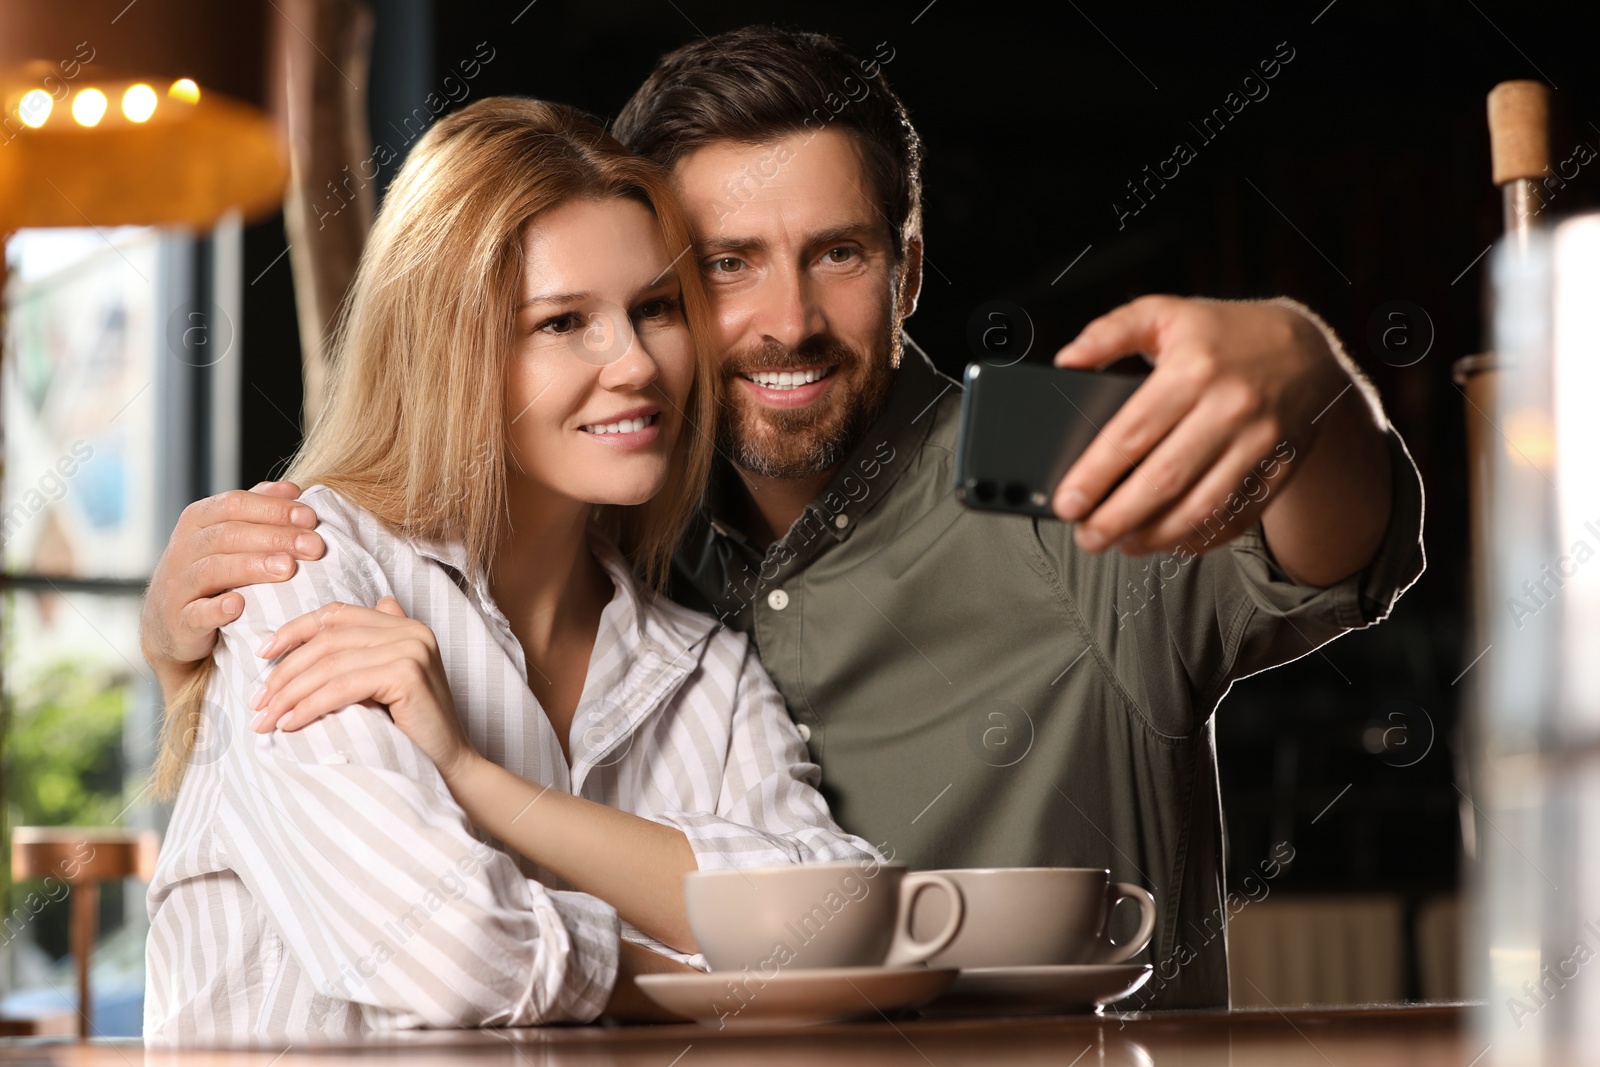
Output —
(451, 551)
(633, 610)
(645, 648)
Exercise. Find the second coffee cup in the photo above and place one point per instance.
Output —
(1034, 916)
(810, 915)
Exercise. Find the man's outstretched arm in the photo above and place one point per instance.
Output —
(1253, 411)
(220, 544)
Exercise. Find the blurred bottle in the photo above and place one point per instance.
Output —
(1538, 694)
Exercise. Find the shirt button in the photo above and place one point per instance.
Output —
(777, 600)
(841, 520)
(805, 732)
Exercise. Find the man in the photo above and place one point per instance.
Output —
(979, 690)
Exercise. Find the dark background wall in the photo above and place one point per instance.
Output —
(1362, 178)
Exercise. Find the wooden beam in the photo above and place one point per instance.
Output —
(330, 203)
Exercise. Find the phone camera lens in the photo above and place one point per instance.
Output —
(982, 490)
(1017, 494)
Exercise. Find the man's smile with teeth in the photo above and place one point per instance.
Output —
(776, 379)
(624, 426)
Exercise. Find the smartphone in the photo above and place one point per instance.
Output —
(1024, 425)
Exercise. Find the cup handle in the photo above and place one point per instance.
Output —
(907, 950)
(1118, 892)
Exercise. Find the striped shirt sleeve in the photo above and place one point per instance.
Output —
(769, 810)
(349, 841)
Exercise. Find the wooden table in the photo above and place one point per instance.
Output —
(1433, 1035)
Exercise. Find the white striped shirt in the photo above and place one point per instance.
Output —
(324, 882)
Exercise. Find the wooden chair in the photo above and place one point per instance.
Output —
(82, 857)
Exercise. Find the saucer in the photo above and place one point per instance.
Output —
(1039, 990)
(817, 995)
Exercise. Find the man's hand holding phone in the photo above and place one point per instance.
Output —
(1233, 384)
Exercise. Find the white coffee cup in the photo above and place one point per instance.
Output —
(1032, 916)
(810, 915)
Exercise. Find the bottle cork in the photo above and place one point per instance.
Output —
(1519, 130)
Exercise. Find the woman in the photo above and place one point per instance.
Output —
(514, 431)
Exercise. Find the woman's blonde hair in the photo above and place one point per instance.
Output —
(414, 429)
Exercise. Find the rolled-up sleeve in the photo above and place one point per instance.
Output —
(348, 839)
(1267, 618)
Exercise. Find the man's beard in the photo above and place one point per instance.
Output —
(792, 443)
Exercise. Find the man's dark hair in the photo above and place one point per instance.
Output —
(759, 84)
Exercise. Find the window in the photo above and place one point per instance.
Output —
(119, 363)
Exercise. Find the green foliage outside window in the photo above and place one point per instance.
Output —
(64, 764)
(60, 765)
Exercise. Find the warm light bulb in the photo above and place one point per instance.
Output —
(186, 90)
(139, 102)
(88, 107)
(35, 107)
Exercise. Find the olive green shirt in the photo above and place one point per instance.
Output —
(979, 692)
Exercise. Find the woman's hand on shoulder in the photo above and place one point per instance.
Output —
(343, 654)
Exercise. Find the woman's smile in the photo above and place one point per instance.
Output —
(638, 428)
